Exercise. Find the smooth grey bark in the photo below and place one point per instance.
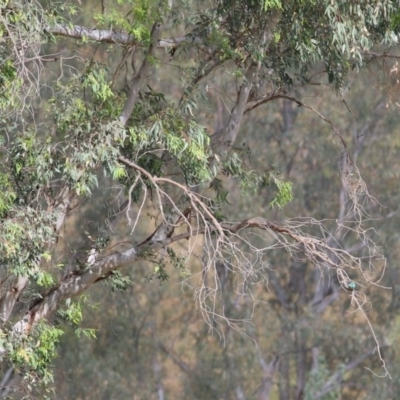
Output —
(110, 36)
(72, 285)
(13, 292)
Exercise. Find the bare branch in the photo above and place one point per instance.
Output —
(8, 383)
(268, 375)
(76, 283)
(223, 139)
(110, 36)
(271, 96)
(374, 55)
(334, 380)
(181, 364)
(139, 78)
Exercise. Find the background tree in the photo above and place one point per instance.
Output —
(105, 165)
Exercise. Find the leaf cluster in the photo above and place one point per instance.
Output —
(33, 354)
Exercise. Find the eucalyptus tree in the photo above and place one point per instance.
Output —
(84, 106)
